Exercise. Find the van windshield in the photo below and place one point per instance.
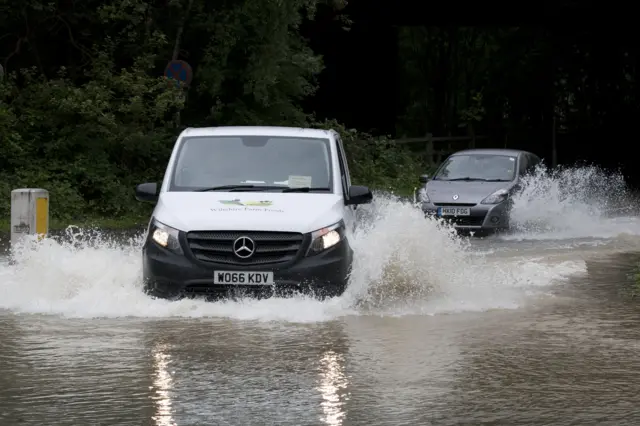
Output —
(266, 162)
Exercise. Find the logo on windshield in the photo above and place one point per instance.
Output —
(455, 197)
(237, 202)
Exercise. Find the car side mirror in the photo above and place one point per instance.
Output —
(359, 195)
(147, 192)
(424, 178)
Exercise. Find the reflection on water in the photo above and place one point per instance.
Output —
(162, 384)
(570, 358)
(333, 382)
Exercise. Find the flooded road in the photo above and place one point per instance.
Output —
(532, 328)
(570, 359)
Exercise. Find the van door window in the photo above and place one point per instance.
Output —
(345, 163)
(524, 165)
(344, 176)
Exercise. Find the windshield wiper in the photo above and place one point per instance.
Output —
(305, 189)
(231, 188)
(464, 178)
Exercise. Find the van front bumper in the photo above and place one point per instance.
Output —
(172, 275)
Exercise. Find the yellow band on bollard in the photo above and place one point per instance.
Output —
(42, 216)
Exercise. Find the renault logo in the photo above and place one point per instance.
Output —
(455, 197)
(244, 247)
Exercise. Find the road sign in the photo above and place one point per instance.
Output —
(179, 71)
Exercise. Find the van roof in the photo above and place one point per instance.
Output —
(257, 131)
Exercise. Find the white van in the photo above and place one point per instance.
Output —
(251, 208)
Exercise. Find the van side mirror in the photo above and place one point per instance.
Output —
(359, 195)
(424, 178)
(147, 192)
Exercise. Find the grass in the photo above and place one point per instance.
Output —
(102, 223)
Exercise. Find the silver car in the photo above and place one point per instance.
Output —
(472, 188)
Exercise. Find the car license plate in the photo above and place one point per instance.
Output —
(454, 211)
(242, 278)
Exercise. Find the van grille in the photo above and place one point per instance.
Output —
(270, 247)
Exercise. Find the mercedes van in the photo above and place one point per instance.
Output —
(251, 209)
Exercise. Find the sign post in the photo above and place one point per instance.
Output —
(179, 71)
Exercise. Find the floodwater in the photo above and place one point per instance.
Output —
(533, 328)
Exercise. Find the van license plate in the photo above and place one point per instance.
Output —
(454, 211)
(248, 278)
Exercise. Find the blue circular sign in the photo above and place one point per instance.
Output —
(179, 71)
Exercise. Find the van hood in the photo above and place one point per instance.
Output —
(264, 211)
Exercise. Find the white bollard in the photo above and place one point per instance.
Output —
(29, 213)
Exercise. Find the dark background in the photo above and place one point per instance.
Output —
(362, 80)
(86, 112)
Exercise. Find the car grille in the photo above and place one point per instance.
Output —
(454, 204)
(270, 247)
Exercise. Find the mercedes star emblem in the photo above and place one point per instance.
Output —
(244, 247)
(455, 197)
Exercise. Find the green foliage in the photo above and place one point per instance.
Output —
(98, 119)
(91, 116)
(87, 144)
(377, 161)
(256, 67)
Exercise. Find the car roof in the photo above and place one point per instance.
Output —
(492, 151)
(258, 131)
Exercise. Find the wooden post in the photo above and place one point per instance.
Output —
(429, 149)
(554, 149)
(472, 135)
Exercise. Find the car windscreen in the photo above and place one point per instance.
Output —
(478, 167)
(270, 161)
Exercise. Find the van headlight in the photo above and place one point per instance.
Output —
(325, 238)
(497, 197)
(165, 236)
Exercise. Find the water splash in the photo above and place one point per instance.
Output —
(574, 202)
(404, 264)
(408, 263)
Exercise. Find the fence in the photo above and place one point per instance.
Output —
(436, 148)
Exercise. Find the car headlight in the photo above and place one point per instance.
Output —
(497, 197)
(421, 195)
(165, 236)
(325, 238)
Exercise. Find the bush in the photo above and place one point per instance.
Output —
(378, 162)
(87, 144)
(92, 119)
(88, 183)
(90, 144)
